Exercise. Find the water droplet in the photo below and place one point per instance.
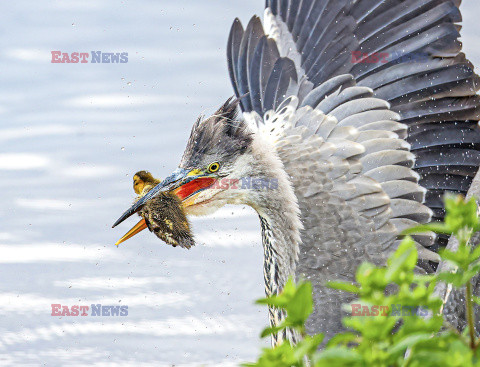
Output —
(122, 148)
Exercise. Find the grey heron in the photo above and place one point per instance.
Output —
(363, 112)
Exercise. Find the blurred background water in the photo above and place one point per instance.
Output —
(71, 137)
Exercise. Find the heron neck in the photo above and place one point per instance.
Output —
(277, 206)
(280, 248)
(280, 222)
(279, 254)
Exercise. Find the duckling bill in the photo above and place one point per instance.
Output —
(163, 215)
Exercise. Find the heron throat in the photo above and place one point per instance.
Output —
(280, 224)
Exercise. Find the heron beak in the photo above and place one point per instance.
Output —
(140, 226)
(182, 182)
(170, 183)
(189, 190)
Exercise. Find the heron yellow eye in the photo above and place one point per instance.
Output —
(213, 167)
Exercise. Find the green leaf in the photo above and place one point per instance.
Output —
(409, 341)
(429, 227)
(301, 305)
(280, 356)
(456, 257)
(344, 286)
(364, 272)
(296, 300)
(271, 330)
(307, 346)
(475, 254)
(342, 338)
(476, 299)
(404, 258)
(283, 299)
(453, 278)
(460, 213)
(472, 271)
(338, 357)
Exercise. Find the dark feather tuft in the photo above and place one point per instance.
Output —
(221, 137)
(229, 110)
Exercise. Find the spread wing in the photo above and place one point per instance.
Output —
(367, 143)
(414, 62)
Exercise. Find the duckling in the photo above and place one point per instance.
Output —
(143, 182)
(163, 215)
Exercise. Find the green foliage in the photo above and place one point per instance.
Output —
(401, 327)
(296, 301)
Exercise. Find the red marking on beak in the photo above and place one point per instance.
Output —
(193, 186)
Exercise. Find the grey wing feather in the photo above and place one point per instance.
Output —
(329, 87)
(329, 104)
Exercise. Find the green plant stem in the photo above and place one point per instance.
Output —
(469, 305)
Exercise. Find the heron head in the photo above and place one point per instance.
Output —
(217, 156)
